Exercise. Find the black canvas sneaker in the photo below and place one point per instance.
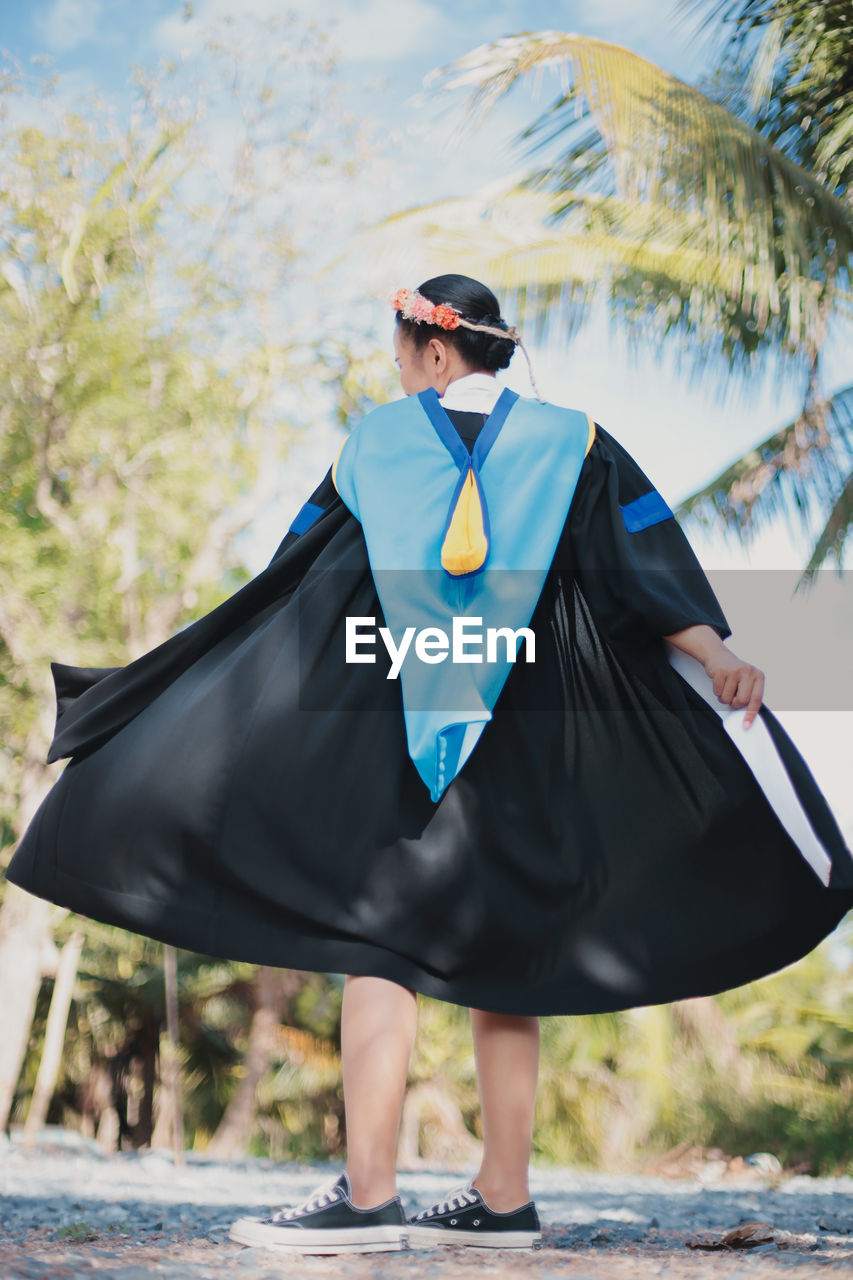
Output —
(463, 1217)
(328, 1222)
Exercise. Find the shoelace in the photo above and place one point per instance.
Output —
(328, 1193)
(458, 1198)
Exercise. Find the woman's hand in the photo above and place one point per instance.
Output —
(736, 682)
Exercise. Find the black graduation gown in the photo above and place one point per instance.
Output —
(242, 792)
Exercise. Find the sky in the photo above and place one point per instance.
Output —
(681, 434)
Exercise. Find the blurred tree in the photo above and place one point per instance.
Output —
(54, 1037)
(155, 361)
(714, 220)
(270, 991)
(762, 1068)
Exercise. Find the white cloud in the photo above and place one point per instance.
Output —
(68, 23)
(628, 17)
(360, 30)
(175, 36)
(379, 30)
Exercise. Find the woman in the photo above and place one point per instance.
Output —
(596, 812)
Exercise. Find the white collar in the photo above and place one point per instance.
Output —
(474, 392)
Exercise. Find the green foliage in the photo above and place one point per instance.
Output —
(77, 1232)
(798, 57)
(153, 373)
(80, 1232)
(797, 469)
(766, 1067)
(151, 377)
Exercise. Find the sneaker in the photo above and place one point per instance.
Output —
(463, 1217)
(328, 1222)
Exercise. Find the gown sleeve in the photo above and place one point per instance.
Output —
(635, 567)
(92, 703)
(324, 499)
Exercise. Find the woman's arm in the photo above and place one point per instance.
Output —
(640, 576)
(735, 681)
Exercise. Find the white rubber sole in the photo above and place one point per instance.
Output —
(327, 1240)
(436, 1237)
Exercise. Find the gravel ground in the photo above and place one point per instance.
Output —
(68, 1210)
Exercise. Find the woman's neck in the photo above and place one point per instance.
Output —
(476, 391)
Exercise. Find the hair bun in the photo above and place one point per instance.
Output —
(497, 352)
(477, 307)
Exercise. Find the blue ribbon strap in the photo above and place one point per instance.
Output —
(644, 511)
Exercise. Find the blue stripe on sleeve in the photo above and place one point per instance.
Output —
(305, 517)
(649, 509)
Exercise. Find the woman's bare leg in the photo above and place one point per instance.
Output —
(378, 1023)
(506, 1052)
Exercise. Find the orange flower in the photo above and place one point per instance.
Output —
(445, 316)
(414, 306)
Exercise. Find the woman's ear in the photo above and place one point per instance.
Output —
(439, 354)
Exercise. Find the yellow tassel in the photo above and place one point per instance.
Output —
(335, 463)
(465, 545)
(590, 435)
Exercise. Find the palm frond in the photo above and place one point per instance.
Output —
(800, 90)
(804, 468)
(662, 143)
(647, 260)
(501, 233)
(834, 534)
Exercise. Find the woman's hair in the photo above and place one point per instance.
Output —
(474, 302)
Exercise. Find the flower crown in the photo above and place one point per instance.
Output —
(414, 306)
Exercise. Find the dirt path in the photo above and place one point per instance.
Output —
(134, 1216)
(171, 1257)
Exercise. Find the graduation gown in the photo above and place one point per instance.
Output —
(242, 792)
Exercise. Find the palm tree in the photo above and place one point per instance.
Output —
(718, 219)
